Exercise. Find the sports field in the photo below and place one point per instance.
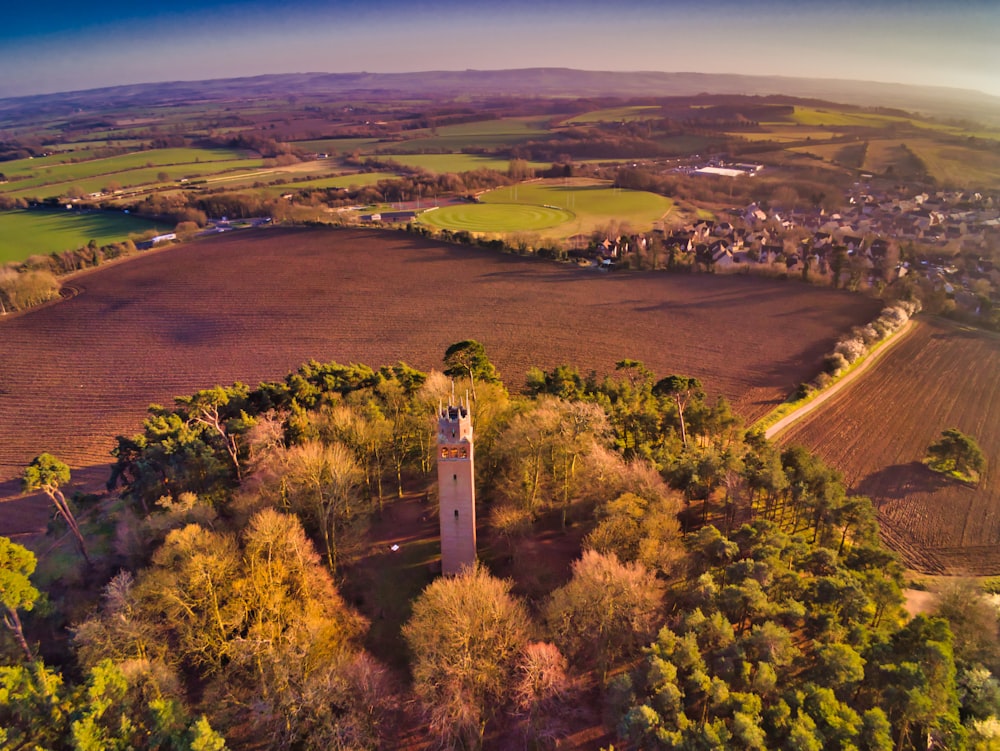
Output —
(495, 217)
(27, 233)
(559, 207)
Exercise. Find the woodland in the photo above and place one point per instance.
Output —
(715, 591)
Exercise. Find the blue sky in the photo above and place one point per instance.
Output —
(59, 46)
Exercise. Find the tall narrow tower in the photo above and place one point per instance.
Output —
(456, 489)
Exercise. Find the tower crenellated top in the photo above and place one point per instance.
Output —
(454, 424)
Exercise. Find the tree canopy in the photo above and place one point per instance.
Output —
(958, 454)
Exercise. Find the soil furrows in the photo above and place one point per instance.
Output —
(877, 433)
(254, 305)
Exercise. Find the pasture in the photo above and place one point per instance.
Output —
(850, 155)
(354, 179)
(892, 157)
(812, 117)
(59, 168)
(455, 163)
(785, 134)
(27, 233)
(130, 170)
(254, 304)
(958, 165)
(616, 115)
(877, 430)
(486, 134)
(338, 145)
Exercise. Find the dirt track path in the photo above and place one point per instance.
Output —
(805, 409)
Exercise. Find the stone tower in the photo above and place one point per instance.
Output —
(456, 489)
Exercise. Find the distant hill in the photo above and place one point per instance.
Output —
(936, 101)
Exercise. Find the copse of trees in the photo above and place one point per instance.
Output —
(956, 454)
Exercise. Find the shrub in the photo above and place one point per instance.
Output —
(20, 291)
(850, 349)
(835, 363)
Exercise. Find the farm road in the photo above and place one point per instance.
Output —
(876, 434)
(843, 383)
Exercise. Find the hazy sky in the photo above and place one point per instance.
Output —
(61, 46)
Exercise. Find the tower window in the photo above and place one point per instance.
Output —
(454, 477)
(456, 513)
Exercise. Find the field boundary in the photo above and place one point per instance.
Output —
(808, 406)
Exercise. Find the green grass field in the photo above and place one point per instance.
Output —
(339, 145)
(455, 163)
(41, 188)
(615, 115)
(138, 168)
(688, 144)
(495, 217)
(957, 165)
(485, 134)
(92, 145)
(851, 155)
(785, 134)
(28, 233)
(30, 166)
(811, 116)
(555, 208)
(833, 118)
(59, 169)
(358, 179)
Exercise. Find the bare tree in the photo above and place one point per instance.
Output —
(466, 634)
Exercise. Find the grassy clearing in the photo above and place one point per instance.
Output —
(616, 115)
(27, 233)
(396, 581)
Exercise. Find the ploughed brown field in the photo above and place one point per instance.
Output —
(878, 429)
(255, 304)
